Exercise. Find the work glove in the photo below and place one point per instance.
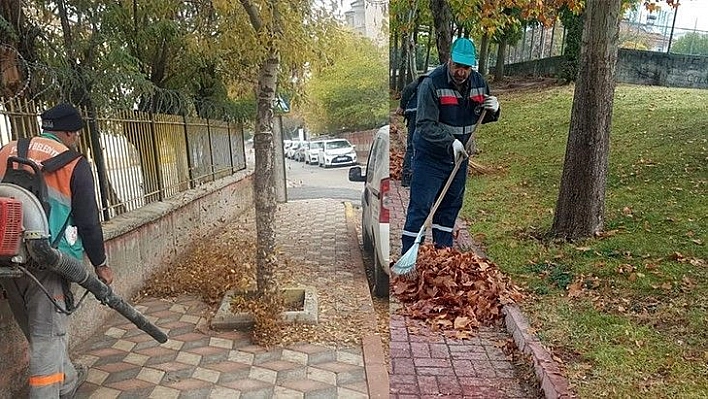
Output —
(458, 149)
(491, 104)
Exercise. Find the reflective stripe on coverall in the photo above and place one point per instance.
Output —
(429, 176)
(443, 114)
(51, 370)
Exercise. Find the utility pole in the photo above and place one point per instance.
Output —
(671, 35)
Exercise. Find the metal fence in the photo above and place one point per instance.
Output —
(536, 42)
(137, 157)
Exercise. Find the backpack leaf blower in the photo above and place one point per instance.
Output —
(25, 238)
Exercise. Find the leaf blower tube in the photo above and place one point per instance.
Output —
(74, 271)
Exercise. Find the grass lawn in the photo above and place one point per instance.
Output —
(626, 313)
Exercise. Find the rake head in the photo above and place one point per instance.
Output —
(405, 265)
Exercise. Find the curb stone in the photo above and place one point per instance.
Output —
(372, 346)
(375, 367)
(553, 383)
(548, 373)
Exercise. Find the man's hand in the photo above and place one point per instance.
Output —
(458, 149)
(105, 274)
(399, 110)
(491, 103)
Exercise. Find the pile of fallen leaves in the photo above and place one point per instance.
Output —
(213, 266)
(397, 150)
(452, 290)
(267, 329)
(396, 164)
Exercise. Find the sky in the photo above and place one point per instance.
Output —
(690, 14)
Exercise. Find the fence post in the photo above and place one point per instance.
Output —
(101, 170)
(563, 40)
(211, 152)
(243, 144)
(231, 151)
(189, 153)
(156, 156)
(553, 36)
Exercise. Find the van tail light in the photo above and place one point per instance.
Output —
(384, 212)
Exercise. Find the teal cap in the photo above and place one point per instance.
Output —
(463, 52)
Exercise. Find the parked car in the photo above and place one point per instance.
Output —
(375, 213)
(313, 153)
(290, 154)
(286, 145)
(302, 151)
(337, 152)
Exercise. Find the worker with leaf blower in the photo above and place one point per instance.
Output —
(75, 229)
(451, 99)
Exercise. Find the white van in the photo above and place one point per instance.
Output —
(375, 209)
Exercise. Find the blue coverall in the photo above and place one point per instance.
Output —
(444, 114)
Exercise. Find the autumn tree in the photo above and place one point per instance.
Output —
(580, 207)
(691, 43)
(346, 94)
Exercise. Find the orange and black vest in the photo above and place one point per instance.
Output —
(59, 194)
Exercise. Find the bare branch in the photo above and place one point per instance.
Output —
(252, 14)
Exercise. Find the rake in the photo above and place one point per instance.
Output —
(405, 265)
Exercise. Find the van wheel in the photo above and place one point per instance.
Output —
(381, 280)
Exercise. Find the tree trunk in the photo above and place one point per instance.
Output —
(581, 200)
(402, 63)
(442, 20)
(412, 46)
(431, 32)
(17, 48)
(264, 182)
(81, 95)
(483, 54)
(499, 68)
(394, 62)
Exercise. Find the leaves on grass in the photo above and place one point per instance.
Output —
(452, 290)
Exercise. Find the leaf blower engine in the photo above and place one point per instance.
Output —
(25, 242)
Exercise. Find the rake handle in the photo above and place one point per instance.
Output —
(458, 163)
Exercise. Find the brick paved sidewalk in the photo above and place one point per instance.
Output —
(427, 365)
(197, 362)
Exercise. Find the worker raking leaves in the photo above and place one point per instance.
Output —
(452, 290)
(452, 102)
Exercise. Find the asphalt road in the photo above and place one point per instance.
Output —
(311, 181)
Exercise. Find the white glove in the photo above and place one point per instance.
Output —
(491, 104)
(458, 149)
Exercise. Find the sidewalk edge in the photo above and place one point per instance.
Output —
(375, 367)
(553, 383)
(377, 381)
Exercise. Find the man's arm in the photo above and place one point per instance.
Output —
(85, 213)
(438, 139)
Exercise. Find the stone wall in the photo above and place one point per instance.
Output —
(635, 67)
(138, 244)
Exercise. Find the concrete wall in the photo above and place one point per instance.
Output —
(661, 69)
(636, 67)
(138, 244)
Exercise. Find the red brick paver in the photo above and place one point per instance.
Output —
(426, 364)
